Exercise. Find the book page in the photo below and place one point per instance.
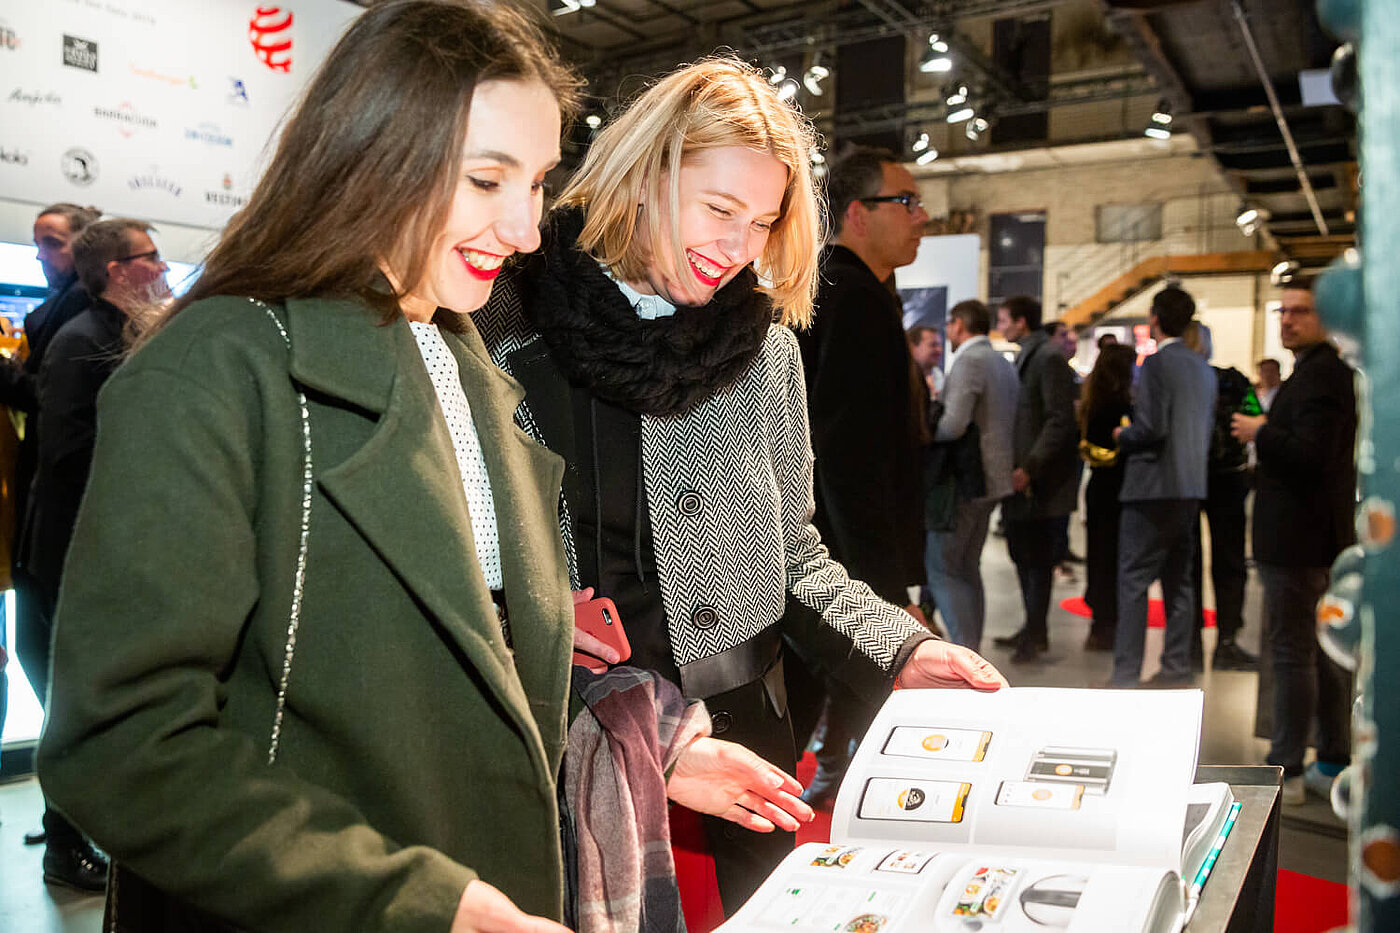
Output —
(1061, 774)
(835, 888)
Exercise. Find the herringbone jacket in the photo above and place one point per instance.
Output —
(729, 496)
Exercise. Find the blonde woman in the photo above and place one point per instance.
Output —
(644, 333)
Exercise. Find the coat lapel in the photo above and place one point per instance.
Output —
(423, 532)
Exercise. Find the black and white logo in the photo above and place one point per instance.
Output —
(79, 166)
(128, 119)
(226, 197)
(79, 53)
(13, 157)
(154, 181)
(22, 95)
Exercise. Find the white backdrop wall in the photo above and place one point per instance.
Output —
(156, 109)
(950, 261)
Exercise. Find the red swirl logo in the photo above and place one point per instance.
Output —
(270, 33)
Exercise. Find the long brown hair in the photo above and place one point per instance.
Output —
(368, 162)
(1110, 383)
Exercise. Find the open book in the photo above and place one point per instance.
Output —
(1021, 810)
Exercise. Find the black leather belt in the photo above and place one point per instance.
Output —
(742, 664)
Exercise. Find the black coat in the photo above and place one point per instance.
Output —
(19, 388)
(82, 355)
(1046, 437)
(865, 428)
(1306, 477)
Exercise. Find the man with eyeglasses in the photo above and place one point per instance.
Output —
(866, 400)
(122, 272)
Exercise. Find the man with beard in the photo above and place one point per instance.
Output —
(55, 228)
(866, 399)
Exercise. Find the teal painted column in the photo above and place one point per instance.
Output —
(1362, 299)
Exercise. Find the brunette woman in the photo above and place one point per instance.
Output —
(644, 335)
(1105, 401)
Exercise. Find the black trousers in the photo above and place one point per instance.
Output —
(34, 607)
(749, 716)
(1032, 544)
(1102, 511)
(1224, 511)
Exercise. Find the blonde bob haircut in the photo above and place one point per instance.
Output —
(712, 104)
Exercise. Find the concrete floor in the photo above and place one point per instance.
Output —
(1313, 840)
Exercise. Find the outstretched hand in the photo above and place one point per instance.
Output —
(943, 664)
(727, 780)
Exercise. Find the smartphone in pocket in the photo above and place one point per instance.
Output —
(598, 617)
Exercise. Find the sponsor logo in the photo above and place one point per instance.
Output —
(127, 117)
(13, 157)
(9, 39)
(209, 134)
(237, 92)
(79, 166)
(34, 98)
(226, 197)
(270, 34)
(172, 80)
(154, 181)
(79, 53)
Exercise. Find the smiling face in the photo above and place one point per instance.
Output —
(729, 199)
(512, 141)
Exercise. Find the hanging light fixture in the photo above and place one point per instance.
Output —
(788, 89)
(816, 74)
(779, 72)
(593, 120)
(935, 59)
(927, 156)
(975, 128)
(920, 144)
(961, 114)
(957, 97)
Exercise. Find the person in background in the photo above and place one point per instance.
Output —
(1046, 474)
(978, 410)
(1106, 399)
(68, 858)
(1304, 502)
(1227, 487)
(1166, 448)
(1064, 337)
(926, 347)
(646, 344)
(1267, 370)
(1107, 340)
(868, 408)
(312, 658)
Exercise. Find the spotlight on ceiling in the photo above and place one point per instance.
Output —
(1283, 272)
(1251, 219)
(817, 157)
(593, 120)
(788, 89)
(961, 114)
(927, 156)
(975, 128)
(815, 75)
(779, 73)
(920, 144)
(1157, 132)
(935, 59)
(957, 97)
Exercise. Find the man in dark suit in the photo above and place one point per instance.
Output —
(1304, 502)
(865, 397)
(1046, 475)
(55, 229)
(1164, 480)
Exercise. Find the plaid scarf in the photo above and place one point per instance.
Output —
(621, 746)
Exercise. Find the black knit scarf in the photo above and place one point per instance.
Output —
(662, 367)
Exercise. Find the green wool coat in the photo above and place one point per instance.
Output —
(417, 752)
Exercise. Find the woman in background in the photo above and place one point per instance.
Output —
(1105, 401)
(644, 333)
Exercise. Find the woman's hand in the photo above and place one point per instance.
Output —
(605, 653)
(484, 909)
(944, 664)
(727, 780)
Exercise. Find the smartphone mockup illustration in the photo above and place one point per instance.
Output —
(933, 742)
(913, 800)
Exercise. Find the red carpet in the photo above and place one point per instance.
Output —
(1302, 903)
(1156, 612)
